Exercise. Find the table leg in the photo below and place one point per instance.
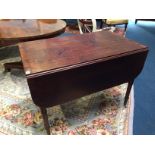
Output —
(45, 119)
(128, 92)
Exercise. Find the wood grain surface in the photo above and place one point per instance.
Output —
(24, 28)
(62, 69)
(55, 54)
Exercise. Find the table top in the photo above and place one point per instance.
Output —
(63, 53)
(26, 28)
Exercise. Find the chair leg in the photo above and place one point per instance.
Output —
(136, 21)
(126, 25)
(101, 25)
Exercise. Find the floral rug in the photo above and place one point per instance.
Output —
(100, 113)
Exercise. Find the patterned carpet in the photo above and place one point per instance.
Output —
(101, 113)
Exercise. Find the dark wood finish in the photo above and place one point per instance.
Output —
(45, 118)
(9, 66)
(18, 30)
(128, 91)
(62, 69)
(55, 54)
(13, 31)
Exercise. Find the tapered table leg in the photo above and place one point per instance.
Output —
(45, 119)
(128, 92)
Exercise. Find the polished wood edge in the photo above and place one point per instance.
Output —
(47, 72)
(86, 34)
(15, 41)
(32, 38)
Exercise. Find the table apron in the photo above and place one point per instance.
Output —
(60, 87)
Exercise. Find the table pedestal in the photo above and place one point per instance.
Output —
(12, 65)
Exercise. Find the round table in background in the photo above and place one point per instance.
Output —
(18, 30)
(14, 31)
